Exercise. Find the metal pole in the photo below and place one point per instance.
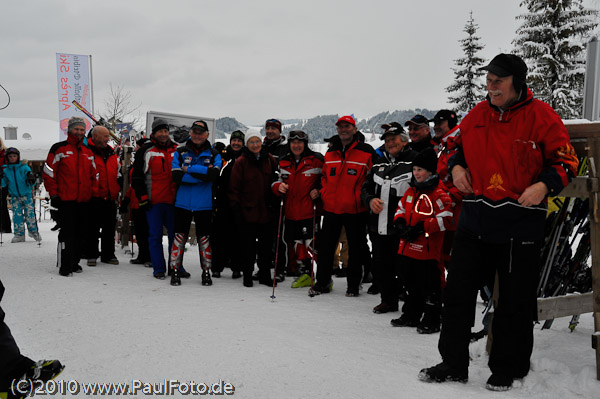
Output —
(591, 88)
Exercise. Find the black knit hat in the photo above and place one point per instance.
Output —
(427, 159)
(158, 124)
(238, 134)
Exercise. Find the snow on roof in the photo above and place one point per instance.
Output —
(34, 136)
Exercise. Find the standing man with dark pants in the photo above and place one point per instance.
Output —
(513, 151)
(70, 179)
(347, 163)
(103, 214)
(385, 185)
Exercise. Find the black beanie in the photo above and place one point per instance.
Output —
(427, 159)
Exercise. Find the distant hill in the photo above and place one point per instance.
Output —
(228, 125)
(323, 126)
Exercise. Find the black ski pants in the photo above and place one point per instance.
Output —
(474, 263)
(73, 232)
(356, 233)
(386, 267)
(12, 363)
(140, 228)
(103, 220)
(257, 240)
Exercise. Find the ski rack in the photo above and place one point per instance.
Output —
(585, 138)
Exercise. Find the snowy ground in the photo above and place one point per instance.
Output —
(118, 324)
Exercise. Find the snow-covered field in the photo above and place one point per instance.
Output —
(118, 324)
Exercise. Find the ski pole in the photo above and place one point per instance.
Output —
(277, 247)
(311, 292)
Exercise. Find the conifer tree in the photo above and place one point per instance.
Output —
(552, 40)
(468, 88)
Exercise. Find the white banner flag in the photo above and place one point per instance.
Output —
(74, 83)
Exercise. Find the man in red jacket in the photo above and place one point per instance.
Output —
(347, 163)
(155, 190)
(70, 179)
(513, 151)
(103, 215)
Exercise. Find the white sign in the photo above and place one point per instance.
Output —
(74, 83)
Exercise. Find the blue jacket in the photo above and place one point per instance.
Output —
(15, 178)
(195, 187)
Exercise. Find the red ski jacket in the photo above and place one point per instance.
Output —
(70, 171)
(446, 149)
(301, 177)
(432, 206)
(107, 166)
(506, 152)
(151, 178)
(344, 172)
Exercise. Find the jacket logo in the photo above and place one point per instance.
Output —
(352, 172)
(496, 183)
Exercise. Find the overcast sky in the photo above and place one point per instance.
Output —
(251, 60)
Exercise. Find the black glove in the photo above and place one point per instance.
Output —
(55, 201)
(145, 205)
(124, 205)
(212, 174)
(414, 231)
(30, 179)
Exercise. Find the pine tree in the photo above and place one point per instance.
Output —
(552, 40)
(468, 86)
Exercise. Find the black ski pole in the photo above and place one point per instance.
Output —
(277, 247)
(311, 292)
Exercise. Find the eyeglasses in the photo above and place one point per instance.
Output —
(298, 135)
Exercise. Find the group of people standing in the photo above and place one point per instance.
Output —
(445, 214)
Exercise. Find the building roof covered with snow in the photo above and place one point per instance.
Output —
(33, 137)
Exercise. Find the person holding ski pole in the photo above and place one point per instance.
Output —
(513, 151)
(70, 179)
(386, 183)
(254, 207)
(299, 181)
(347, 163)
(19, 182)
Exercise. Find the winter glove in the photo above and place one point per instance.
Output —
(55, 201)
(415, 231)
(124, 205)
(145, 205)
(30, 179)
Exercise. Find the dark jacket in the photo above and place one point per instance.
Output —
(388, 180)
(250, 186)
(278, 148)
(222, 191)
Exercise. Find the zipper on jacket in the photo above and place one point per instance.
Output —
(16, 183)
(511, 256)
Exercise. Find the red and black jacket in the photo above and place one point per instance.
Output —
(151, 178)
(344, 172)
(107, 167)
(70, 171)
(301, 177)
(425, 202)
(507, 151)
